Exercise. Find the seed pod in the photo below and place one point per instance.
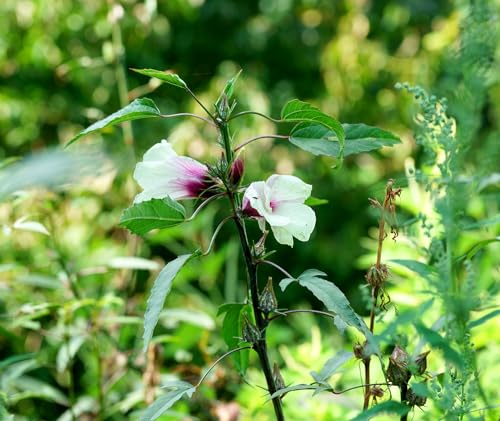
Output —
(421, 362)
(377, 392)
(361, 351)
(397, 371)
(267, 299)
(278, 378)
(414, 399)
(377, 275)
(250, 332)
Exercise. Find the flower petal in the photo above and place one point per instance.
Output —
(282, 236)
(162, 151)
(288, 188)
(302, 219)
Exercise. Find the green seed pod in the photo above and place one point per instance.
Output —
(397, 371)
(267, 299)
(278, 378)
(250, 332)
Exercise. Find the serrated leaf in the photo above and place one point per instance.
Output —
(435, 340)
(388, 407)
(164, 402)
(299, 111)
(159, 292)
(170, 78)
(334, 300)
(331, 366)
(152, 214)
(231, 331)
(359, 138)
(138, 108)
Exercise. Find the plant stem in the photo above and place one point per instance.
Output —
(260, 345)
(404, 390)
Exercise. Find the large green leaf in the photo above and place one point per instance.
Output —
(388, 407)
(300, 111)
(437, 341)
(155, 213)
(319, 140)
(164, 402)
(160, 290)
(331, 366)
(231, 332)
(334, 300)
(170, 78)
(139, 108)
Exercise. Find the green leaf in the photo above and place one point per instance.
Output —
(476, 248)
(139, 108)
(170, 78)
(294, 388)
(300, 111)
(359, 138)
(435, 340)
(164, 402)
(422, 269)
(334, 300)
(388, 407)
(228, 90)
(68, 351)
(155, 213)
(314, 201)
(159, 292)
(484, 319)
(331, 366)
(231, 332)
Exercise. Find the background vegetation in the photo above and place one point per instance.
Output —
(71, 297)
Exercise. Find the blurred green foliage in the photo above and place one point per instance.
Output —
(71, 313)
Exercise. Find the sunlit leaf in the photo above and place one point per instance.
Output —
(319, 140)
(178, 390)
(159, 292)
(388, 407)
(170, 78)
(68, 351)
(231, 332)
(294, 388)
(422, 269)
(33, 226)
(299, 111)
(484, 319)
(314, 201)
(131, 262)
(435, 340)
(139, 108)
(331, 366)
(143, 217)
(334, 300)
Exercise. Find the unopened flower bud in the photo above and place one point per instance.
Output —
(377, 392)
(267, 299)
(397, 371)
(250, 332)
(414, 399)
(236, 171)
(361, 351)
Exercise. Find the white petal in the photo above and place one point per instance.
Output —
(282, 236)
(151, 175)
(302, 219)
(162, 151)
(288, 188)
(257, 194)
(149, 194)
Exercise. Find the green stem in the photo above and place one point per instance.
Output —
(260, 345)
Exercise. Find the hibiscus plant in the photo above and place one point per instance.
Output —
(280, 205)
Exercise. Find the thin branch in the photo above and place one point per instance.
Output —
(218, 360)
(267, 136)
(275, 265)
(199, 117)
(200, 103)
(203, 204)
(256, 113)
(287, 312)
(214, 236)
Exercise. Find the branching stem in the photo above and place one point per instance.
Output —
(267, 136)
